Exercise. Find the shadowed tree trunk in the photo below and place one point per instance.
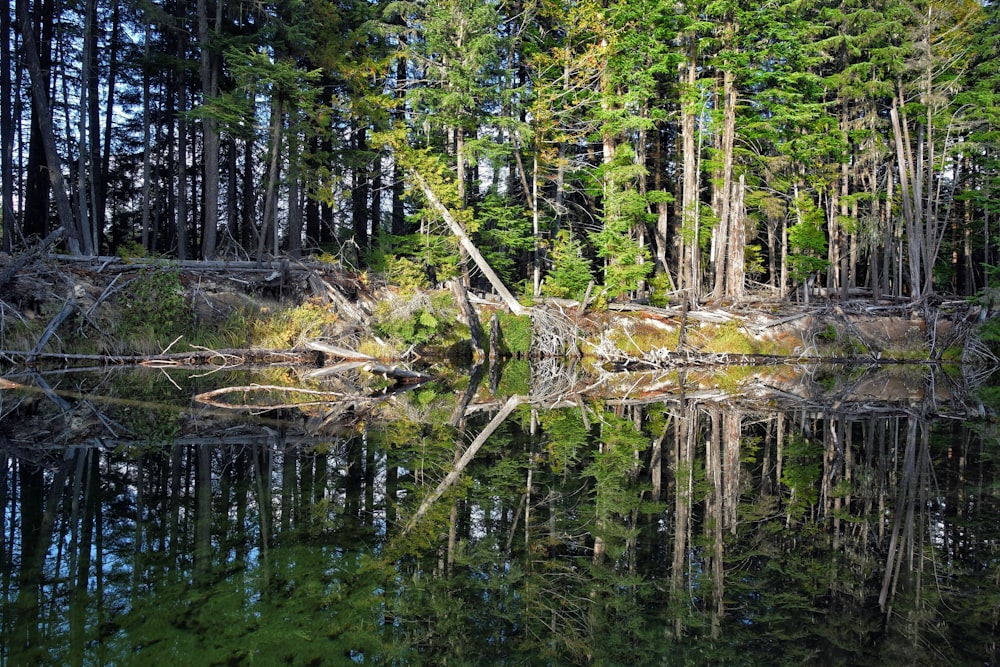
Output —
(6, 137)
(46, 135)
(210, 132)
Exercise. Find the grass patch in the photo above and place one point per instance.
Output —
(783, 344)
(278, 328)
(637, 338)
(729, 338)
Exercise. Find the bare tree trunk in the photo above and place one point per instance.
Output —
(359, 189)
(84, 158)
(908, 187)
(95, 174)
(182, 150)
(723, 241)
(736, 260)
(102, 174)
(147, 140)
(399, 118)
(248, 190)
(294, 245)
(689, 275)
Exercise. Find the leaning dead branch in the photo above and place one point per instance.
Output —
(456, 228)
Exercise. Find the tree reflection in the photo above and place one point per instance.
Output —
(670, 531)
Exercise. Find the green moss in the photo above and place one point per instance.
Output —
(515, 333)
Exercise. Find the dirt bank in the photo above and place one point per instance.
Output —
(104, 306)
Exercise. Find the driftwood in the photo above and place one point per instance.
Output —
(337, 351)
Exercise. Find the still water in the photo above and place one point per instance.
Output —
(664, 524)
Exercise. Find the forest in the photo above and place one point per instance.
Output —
(702, 147)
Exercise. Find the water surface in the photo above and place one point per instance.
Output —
(448, 524)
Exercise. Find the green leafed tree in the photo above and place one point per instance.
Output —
(571, 272)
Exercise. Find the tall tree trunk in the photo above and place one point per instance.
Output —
(210, 132)
(232, 192)
(248, 211)
(661, 250)
(904, 163)
(728, 242)
(736, 259)
(845, 256)
(375, 185)
(294, 245)
(95, 175)
(689, 275)
(181, 208)
(147, 136)
(460, 172)
(36, 206)
(269, 225)
(359, 188)
(399, 119)
(41, 111)
(84, 156)
(6, 138)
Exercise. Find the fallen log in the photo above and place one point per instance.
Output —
(711, 316)
(337, 351)
(192, 358)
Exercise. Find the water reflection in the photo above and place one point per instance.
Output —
(446, 526)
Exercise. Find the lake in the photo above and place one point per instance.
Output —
(833, 516)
